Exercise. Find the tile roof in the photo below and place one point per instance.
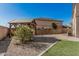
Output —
(48, 19)
(30, 20)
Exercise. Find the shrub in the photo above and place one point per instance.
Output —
(23, 33)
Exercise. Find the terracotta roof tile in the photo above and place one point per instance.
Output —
(48, 19)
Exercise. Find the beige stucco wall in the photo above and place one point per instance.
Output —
(44, 24)
(48, 24)
(75, 20)
(3, 32)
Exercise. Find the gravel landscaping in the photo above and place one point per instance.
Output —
(33, 48)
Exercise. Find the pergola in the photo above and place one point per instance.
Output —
(15, 23)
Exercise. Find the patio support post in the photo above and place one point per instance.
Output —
(35, 30)
(35, 27)
(9, 30)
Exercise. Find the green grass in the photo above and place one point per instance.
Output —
(64, 48)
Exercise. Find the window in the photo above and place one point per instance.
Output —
(54, 26)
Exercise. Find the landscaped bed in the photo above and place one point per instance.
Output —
(64, 48)
(33, 48)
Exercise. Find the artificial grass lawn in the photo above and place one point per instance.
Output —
(64, 48)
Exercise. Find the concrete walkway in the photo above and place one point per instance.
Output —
(66, 37)
(61, 36)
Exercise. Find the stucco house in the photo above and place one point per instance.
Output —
(48, 26)
(41, 25)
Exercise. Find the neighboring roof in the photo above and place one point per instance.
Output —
(47, 19)
(65, 26)
(3, 26)
(30, 20)
(21, 21)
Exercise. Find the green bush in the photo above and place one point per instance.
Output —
(23, 33)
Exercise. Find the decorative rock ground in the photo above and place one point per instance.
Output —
(33, 48)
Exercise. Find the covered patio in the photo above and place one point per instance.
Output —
(15, 23)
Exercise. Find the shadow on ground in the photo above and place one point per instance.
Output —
(4, 45)
(45, 39)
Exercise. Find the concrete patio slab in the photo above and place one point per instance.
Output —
(61, 36)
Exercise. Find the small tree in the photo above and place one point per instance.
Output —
(23, 33)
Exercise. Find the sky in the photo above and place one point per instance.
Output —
(11, 11)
